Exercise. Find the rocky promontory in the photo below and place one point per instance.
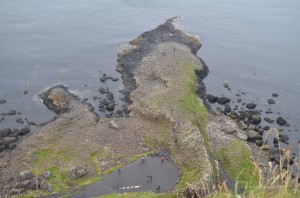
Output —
(166, 109)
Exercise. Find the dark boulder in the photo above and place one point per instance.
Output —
(227, 108)
(25, 92)
(31, 123)
(271, 101)
(223, 100)
(5, 132)
(269, 120)
(10, 112)
(283, 137)
(259, 142)
(15, 133)
(281, 121)
(211, 98)
(114, 79)
(103, 79)
(274, 95)
(239, 100)
(2, 101)
(109, 96)
(110, 107)
(101, 106)
(24, 131)
(266, 128)
(102, 90)
(251, 105)
(19, 120)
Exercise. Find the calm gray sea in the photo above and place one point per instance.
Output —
(254, 45)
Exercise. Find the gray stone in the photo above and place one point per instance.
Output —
(274, 95)
(12, 146)
(281, 121)
(109, 96)
(5, 132)
(10, 112)
(26, 175)
(227, 108)
(255, 119)
(239, 100)
(2, 101)
(19, 120)
(251, 127)
(212, 98)
(114, 79)
(24, 131)
(252, 135)
(271, 101)
(251, 105)
(46, 175)
(241, 136)
(16, 191)
(9, 140)
(102, 90)
(223, 100)
(269, 120)
(77, 172)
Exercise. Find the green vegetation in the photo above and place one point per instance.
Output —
(236, 160)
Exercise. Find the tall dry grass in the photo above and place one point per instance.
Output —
(279, 181)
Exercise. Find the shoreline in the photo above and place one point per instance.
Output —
(151, 116)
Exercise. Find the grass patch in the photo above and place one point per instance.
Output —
(236, 160)
(188, 176)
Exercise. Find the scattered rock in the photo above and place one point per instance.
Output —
(19, 120)
(25, 92)
(5, 132)
(103, 79)
(110, 107)
(281, 121)
(274, 95)
(24, 131)
(114, 79)
(251, 105)
(109, 96)
(253, 135)
(31, 123)
(227, 108)
(46, 175)
(223, 100)
(9, 140)
(10, 112)
(266, 128)
(269, 112)
(269, 120)
(259, 142)
(271, 101)
(226, 85)
(25, 175)
(2, 101)
(255, 119)
(211, 98)
(95, 98)
(239, 100)
(77, 172)
(102, 90)
(241, 136)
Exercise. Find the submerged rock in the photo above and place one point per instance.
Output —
(251, 105)
(2, 101)
(271, 101)
(10, 112)
(281, 121)
(212, 98)
(223, 100)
